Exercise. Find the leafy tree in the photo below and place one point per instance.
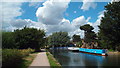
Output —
(110, 26)
(76, 38)
(8, 40)
(86, 28)
(58, 38)
(29, 38)
(90, 36)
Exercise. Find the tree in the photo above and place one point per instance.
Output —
(29, 38)
(58, 39)
(76, 38)
(86, 28)
(90, 36)
(8, 40)
(110, 26)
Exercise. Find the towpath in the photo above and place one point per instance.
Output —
(41, 61)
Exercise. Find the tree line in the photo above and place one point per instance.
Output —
(107, 37)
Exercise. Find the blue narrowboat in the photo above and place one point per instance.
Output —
(101, 52)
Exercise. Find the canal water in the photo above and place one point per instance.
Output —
(68, 58)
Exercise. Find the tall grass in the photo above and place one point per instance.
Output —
(12, 58)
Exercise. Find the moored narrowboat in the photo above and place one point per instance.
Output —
(101, 52)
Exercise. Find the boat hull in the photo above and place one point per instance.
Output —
(74, 49)
(101, 52)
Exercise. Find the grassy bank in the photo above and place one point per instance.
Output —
(28, 60)
(15, 58)
(53, 62)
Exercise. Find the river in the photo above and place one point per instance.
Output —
(68, 58)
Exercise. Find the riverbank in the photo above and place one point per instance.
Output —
(53, 62)
(113, 52)
(16, 58)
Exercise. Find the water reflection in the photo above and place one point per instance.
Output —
(68, 58)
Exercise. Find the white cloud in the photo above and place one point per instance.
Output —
(8, 14)
(9, 11)
(87, 5)
(88, 19)
(97, 23)
(18, 23)
(51, 15)
(50, 18)
(35, 4)
(115, 1)
(79, 21)
(52, 12)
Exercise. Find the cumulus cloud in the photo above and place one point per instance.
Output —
(19, 23)
(115, 1)
(87, 4)
(8, 14)
(50, 18)
(9, 11)
(97, 23)
(51, 15)
(76, 23)
(79, 21)
(35, 4)
(52, 12)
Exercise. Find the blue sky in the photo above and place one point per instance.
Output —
(52, 16)
(29, 12)
(75, 6)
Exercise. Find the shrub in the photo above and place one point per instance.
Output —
(26, 52)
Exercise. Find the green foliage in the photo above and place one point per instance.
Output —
(29, 38)
(53, 62)
(90, 36)
(86, 27)
(58, 38)
(76, 38)
(11, 58)
(111, 50)
(14, 57)
(110, 26)
(79, 44)
(8, 40)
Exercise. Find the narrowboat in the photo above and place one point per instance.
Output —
(101, 52)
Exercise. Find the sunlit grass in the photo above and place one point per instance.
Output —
(53, 62)
(28, 60)
(17, 58)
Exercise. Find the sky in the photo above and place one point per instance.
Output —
(52, 15)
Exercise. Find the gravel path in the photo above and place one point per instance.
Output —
(41, 61)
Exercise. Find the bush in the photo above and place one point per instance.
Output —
(8, 41)
(26, 52)
(14, 57)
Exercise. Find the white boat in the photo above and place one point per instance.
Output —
(72, 47)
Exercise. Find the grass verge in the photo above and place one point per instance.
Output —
(53, 62)
(28, 60)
